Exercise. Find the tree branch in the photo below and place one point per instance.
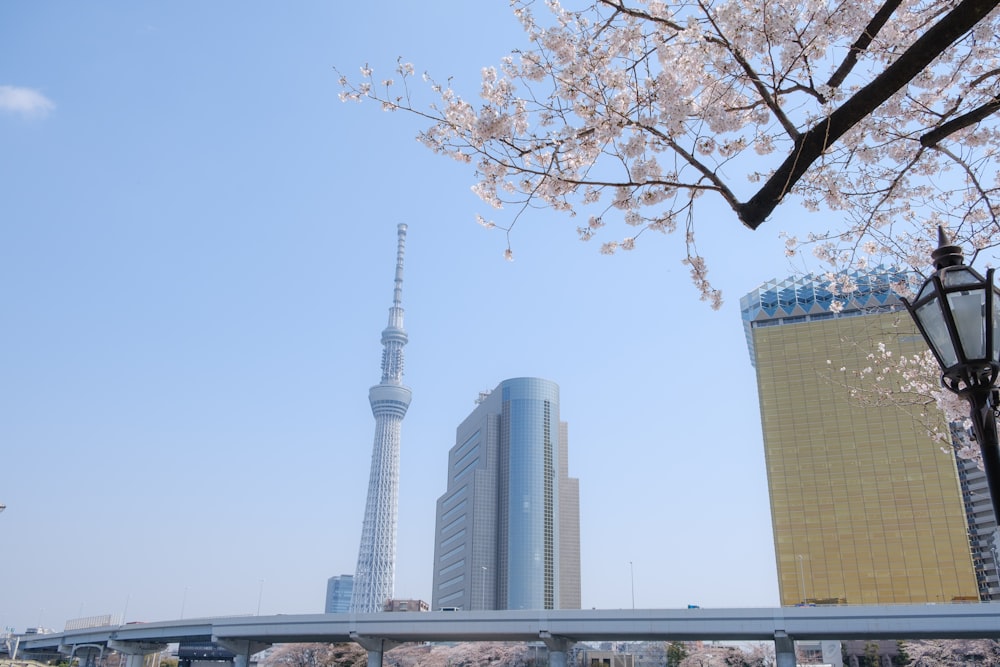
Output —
(931, 139)
(877, 23)
(814, 142)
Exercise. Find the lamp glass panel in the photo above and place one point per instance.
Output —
(968, 307)
(959, 276)
(932, 320)
(927, 290)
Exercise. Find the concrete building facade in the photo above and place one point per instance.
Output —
(406, 606)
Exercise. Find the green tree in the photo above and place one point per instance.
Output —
(901, 658)
(676, 651)
(870, 657)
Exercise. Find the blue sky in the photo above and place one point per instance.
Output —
(197, 242)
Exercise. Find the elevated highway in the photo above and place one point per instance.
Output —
(559, 630)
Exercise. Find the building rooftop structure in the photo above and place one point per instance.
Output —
(809, 297)
(406, 605)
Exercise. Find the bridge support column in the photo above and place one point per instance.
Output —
(12, 643)
(558, 648)
(135, 652)
(86, 653)
(376, 647)
(784, 650)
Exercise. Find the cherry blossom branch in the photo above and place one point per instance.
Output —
(871, 30)
(628, 113)
(813, 143)
(968, 119)
(765, 95)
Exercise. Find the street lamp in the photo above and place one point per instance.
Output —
(956, 312)
(484, 585)
(802, 578)
(631, 570)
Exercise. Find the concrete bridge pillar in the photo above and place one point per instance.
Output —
(86, 653)
(135, 652)
(784, 650)
(376, 647)
(558, 647)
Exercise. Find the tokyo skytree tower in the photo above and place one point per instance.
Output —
(375, 574)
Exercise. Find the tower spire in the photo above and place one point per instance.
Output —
(394, 336)
(375, 573)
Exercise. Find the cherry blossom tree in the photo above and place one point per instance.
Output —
(702, 655)
(948, 653)
(316, 655)
(627, 112)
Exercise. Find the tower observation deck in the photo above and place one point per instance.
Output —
(375, 573)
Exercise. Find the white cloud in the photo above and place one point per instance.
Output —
(24, 101)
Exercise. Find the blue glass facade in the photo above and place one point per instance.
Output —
(338, 594)
(529, 430)
(508, 534)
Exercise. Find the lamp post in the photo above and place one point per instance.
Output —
(956, 311)
(802, 578)
(631, 571)
(484, 570)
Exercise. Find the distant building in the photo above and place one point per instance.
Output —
(406, 605)
(591, 658)
(865, 507)
(338, 593)
(984, 536)
(202, 654)
(508, 527)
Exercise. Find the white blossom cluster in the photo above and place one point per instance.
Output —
(899, 380)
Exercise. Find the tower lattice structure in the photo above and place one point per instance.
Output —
(375, 573)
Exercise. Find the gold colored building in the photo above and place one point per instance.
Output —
(866, 508)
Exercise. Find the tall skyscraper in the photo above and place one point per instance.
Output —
(338, 593)
(375, 574)
(508, 526)
(865, 506)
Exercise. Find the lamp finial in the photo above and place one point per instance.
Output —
(946, 253)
